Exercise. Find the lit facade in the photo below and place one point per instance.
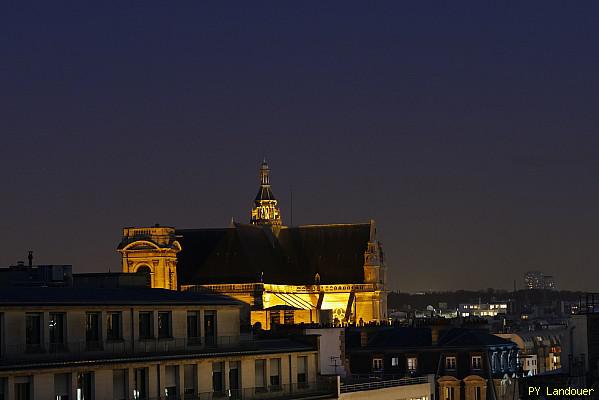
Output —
(152, 251)
(332, 273)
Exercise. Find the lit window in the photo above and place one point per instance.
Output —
(395, 361)
(448, 393)
(377, 364)
(477, 362)
(450, 362)
(412, 363)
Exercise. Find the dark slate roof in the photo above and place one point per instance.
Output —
(401, 337)
(241, 253)
(460, 337)
(107, 296)
(411, 337)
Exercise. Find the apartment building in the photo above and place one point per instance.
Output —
(141, 343)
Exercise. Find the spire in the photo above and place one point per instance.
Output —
(265, 210)
(264, 173)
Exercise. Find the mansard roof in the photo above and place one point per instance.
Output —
(461, 337)
(71, 296)
(253, 253)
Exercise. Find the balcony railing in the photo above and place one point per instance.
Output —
(85, 349)
(379, 384)
(291, 391)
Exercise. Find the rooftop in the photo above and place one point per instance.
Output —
(44, 296)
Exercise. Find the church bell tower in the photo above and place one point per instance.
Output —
(265, 210)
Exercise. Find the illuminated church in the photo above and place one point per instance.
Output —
(333, 273)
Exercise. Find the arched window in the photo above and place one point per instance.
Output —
(145, 270)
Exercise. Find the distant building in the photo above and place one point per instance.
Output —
(540, 351)
(286, 274)
(581, 349)
(23, 274)
(482, 309)
(538, 280)
(110, 280)
(468, 364)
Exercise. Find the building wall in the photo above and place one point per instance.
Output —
(330, 350)
(14, 321)
(422, 391)
(43, 380)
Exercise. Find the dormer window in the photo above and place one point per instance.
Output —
(450, 362)
(377, 364)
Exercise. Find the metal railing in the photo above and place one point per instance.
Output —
(290, 391)
(379, 384)
(85, 349)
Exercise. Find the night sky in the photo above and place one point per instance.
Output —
(469, 132)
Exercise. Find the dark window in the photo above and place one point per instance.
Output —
(170, 386)
(114, 326)
(259, 375)
(234, 383)
(302, 369)
(33, 331)
(275, 373)
(23, 389)
(119, 384)
(85, 386)
(146, 325)
(164, 324)
(92, 330)
(140, 383)
(210, 326)
(275, 317)
(217, 377)
(145, 270)
(4, 388)
(62, 386)
(193, 326)
(288, 317)
(478, 393)
(56, 331)
(189, 381)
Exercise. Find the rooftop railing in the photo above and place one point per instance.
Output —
(380, 384)
(90, 349)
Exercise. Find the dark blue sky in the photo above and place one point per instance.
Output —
(468, 131)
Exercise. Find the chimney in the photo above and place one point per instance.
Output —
(434, 334)
(30, 258)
